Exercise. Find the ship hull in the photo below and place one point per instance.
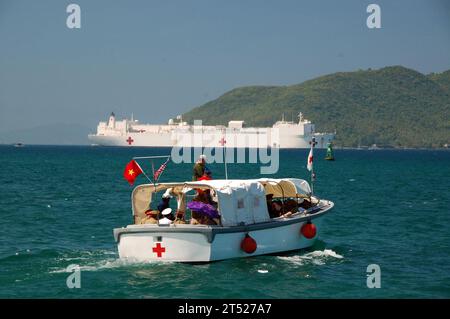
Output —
(167, 139)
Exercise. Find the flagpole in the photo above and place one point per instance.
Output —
(143, 172)
(146, 157)
(313, 175)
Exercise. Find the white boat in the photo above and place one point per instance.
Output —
(283, 134)
(244, 227)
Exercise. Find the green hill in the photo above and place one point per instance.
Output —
(392, 106)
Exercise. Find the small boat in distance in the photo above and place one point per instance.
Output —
(19, 145)
(330, 155)
(238, 220)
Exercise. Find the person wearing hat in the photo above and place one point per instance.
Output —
(165, 219)
(165, 200)
(199, 168)
(277, 208)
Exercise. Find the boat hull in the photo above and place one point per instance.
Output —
(194, 243)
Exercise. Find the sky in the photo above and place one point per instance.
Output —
(157, 59)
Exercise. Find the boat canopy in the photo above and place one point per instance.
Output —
(286, 187)
(240, 202)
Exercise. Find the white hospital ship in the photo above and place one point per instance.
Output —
(283, 134)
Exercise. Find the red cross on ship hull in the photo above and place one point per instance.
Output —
(223, 141)
(129, 140)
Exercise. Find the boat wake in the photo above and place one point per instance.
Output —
(317, 257)
(104, 260)
(95, 261)
(95, 266)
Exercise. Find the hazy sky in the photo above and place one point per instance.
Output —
(161, 58)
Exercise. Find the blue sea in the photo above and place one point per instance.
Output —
(59, 205)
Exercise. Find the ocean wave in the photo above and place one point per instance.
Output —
(317, 257)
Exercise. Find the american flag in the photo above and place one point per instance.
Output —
(160, 170)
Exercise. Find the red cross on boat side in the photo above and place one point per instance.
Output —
(158, 250)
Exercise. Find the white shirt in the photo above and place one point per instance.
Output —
(165, 221)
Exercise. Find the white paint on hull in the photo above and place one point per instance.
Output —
(194, 247)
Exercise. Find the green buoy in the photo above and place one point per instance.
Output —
(330, 155)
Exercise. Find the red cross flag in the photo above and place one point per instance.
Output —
(132, 170)
(309, 166)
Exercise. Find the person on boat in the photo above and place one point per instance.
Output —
(197, 217)
(278, 210)
(199, 168)
(203, 219)
(167, 217)
(150, 217)
(200, 197)
(206, 220)
(165, 201)
(205, 195)
(305, 204)
(290, 205)
(179, 218)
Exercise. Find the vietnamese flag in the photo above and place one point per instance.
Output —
(132, 170)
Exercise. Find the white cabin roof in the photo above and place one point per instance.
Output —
(279, 187)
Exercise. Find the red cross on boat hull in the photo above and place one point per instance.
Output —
(159, 250)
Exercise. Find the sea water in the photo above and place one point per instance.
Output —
(59, 205)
